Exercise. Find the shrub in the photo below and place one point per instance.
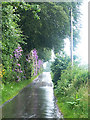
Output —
(72, 92)
(71, 79)
(58, 65)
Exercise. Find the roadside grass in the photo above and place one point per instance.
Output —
(70, 109)
(12, 89)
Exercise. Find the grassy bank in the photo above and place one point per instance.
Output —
(71, 92)
(74, 108)
(12, 89)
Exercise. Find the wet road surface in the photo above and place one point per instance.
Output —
(34, 101)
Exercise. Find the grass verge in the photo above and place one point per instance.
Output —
(12, 89)
(71, 108)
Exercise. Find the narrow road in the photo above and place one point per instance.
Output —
(34, 101)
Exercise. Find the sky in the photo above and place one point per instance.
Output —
(82, 48)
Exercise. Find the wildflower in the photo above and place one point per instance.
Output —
(2, 72)
(36, 57)
(26, 59)
(0, 64)
(39, 63)
(16, 70)
(18, 52)
(18, 64)
(20, 71)
(34, 54)
(19, 47)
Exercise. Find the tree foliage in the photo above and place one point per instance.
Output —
(44, 54)
(12, 38)
(52, 27)
(11, 33)
(42, 26)
(60, 63)
(72, 79)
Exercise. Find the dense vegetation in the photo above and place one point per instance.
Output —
(58, 65)
(71, 87)
(52, 26)
(17, 65)
(29, 32)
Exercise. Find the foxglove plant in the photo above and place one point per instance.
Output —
(27, 67)
(35, 58)
(39, 64)
(17, 55)
(33, 65)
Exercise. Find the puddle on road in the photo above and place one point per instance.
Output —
(35, 101)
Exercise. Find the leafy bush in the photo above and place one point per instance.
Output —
(9, 76)
(72, 92)
(58, 65)
(13, 59)
(71, 79)
(22, 66)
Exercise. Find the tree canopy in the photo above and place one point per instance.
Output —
(52, 26)
(43, 26)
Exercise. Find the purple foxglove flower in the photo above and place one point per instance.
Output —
(19, 47)
(34, 52)
(15, 55)
(20, 50)
(16, 50)
(26, 59)
(18, 64)
(20, 71)
(15, 69)
(36, 57)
